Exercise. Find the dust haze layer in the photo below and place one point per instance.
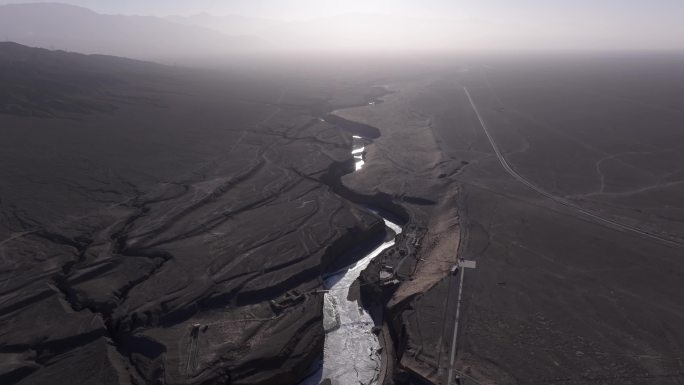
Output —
(206, 38)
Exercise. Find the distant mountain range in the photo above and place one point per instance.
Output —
(200, 37)
(72, 28)
(349, 31)
(235, 25)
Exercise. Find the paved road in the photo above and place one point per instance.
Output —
(591, 215)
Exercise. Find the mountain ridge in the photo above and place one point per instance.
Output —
(78, 29)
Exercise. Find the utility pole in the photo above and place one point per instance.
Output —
(462, 265)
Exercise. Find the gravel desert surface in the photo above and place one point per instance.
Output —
(162, 225)
(179, 235)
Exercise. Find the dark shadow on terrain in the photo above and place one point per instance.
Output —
(418, 201)
(353, 128)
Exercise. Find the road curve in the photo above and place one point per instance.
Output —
(587, 213)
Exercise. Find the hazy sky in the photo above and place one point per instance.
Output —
(557, 24)
(523, 10)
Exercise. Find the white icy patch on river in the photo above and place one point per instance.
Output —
(351, 349)
(358, 151)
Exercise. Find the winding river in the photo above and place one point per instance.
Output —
(351, 353)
